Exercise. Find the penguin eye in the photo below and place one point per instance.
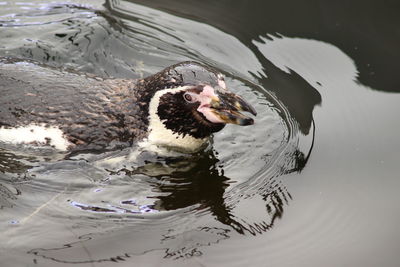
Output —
(188, 98)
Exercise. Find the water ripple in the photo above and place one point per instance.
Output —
(184, 203)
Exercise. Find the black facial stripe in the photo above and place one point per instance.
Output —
(183, 118)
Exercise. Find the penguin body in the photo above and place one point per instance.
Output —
(181, 106)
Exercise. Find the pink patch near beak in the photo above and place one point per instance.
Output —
(208, 91)
(209, 115)
(205, 98)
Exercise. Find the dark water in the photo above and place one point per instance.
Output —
(313, 183)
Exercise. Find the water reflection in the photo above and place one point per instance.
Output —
(72, 36)
(7, 196)
(198, 181)
(184, 192)
(204, 185)
(297, 94)
(12, 163)
(368, 36)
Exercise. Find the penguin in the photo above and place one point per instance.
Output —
(179, 107)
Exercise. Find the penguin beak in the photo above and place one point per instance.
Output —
(219, 105)
(226, 106)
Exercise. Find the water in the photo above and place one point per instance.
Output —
(313, 183)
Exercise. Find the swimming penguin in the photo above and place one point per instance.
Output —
(179, 107)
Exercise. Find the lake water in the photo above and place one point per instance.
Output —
(313, 183)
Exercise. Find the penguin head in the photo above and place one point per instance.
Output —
(200, 110)
(191, 102)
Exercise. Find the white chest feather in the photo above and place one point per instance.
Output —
(161, 136)
(35, 134)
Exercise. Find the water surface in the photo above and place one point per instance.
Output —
(312, 183)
